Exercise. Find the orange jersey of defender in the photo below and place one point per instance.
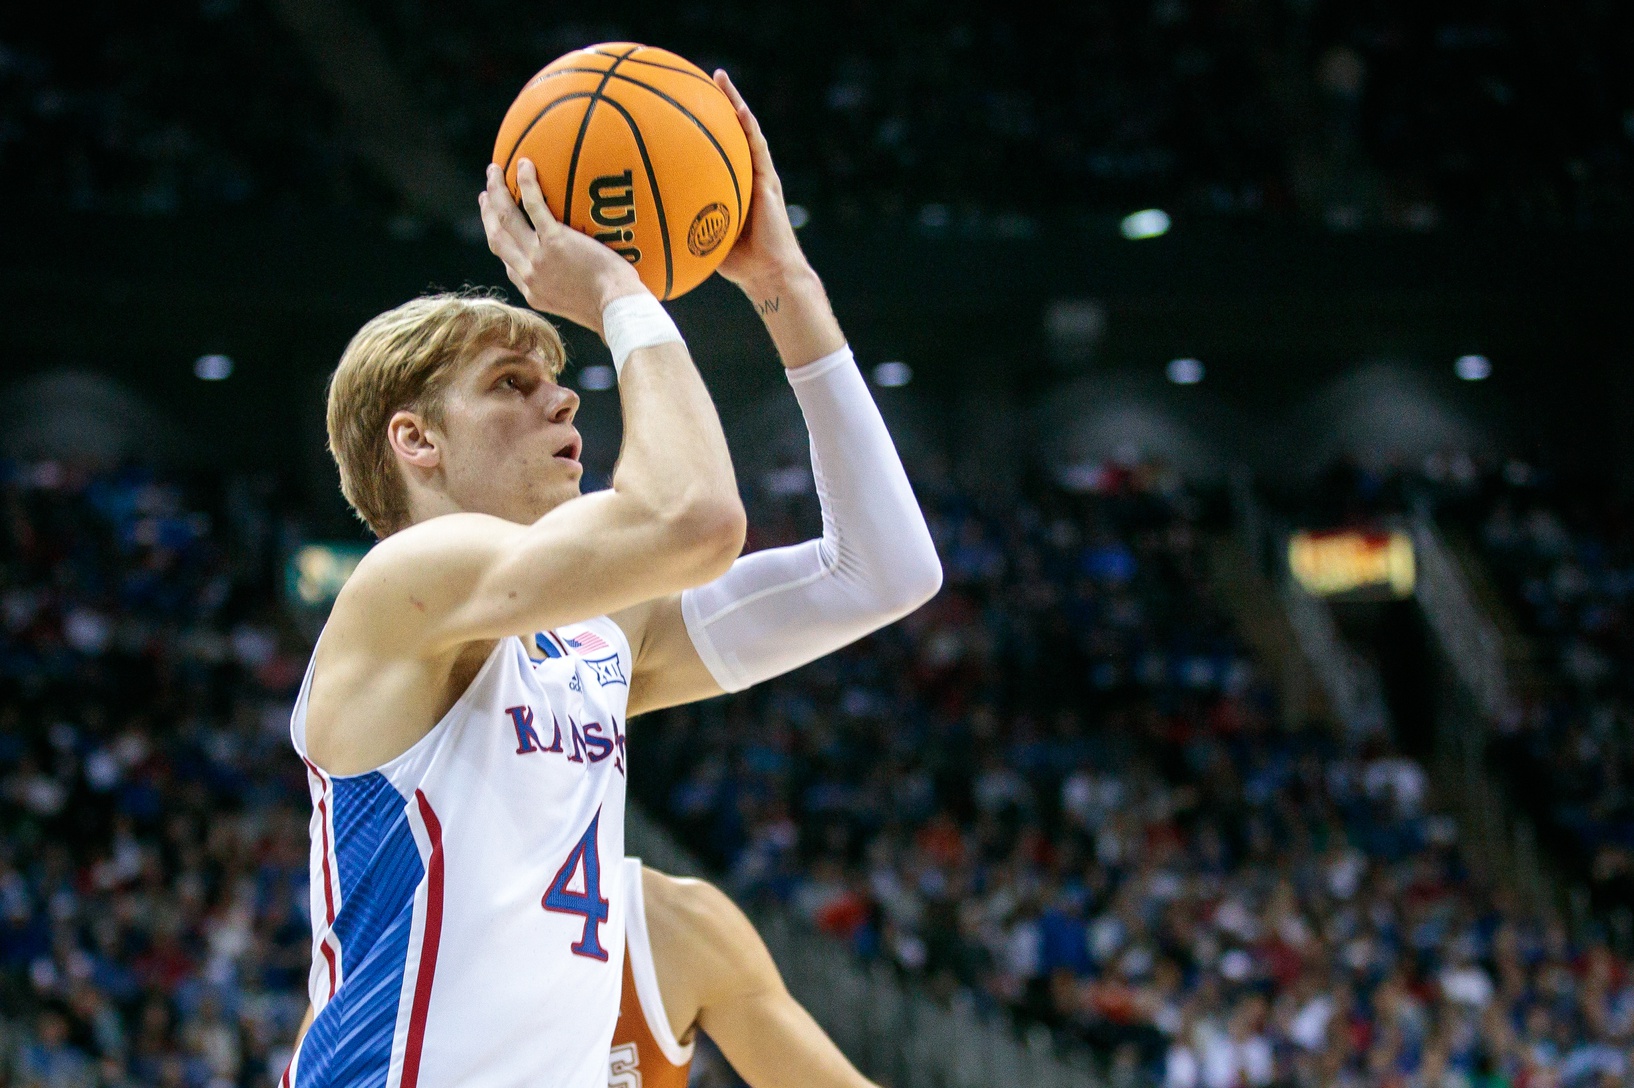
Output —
(645, 1051)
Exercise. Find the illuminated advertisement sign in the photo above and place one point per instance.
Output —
(1350, 562)
(314, 573)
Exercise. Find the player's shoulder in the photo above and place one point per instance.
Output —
(682, 905)
(681, 895)
(695, 916)
(451, 534)
(420, 568)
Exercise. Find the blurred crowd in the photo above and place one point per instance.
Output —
(969, 117)
(1474, 113)
(963, 117)
(153, 853)
(167, 107)
(1560, 555)
(1568, 753)
(960, 118)
(1065, 788)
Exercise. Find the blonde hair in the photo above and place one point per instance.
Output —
(403, 360)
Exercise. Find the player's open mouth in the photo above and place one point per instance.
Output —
(571, 451)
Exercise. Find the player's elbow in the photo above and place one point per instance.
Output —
(709, 533)
(917, 581)
(913, 577)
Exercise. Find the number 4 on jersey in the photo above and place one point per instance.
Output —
(588, 904)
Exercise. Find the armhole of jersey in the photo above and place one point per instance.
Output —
(609, 624)
(297, 714)
(639, 949)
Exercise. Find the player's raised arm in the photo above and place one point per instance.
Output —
(672, 517)
(500, 440)
(778, 609)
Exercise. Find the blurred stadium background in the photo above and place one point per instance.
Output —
(1261, 364)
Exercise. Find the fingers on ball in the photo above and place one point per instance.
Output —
(533, 197)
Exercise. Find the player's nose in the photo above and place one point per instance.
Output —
(564, 404)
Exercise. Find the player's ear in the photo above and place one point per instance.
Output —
(412, 442)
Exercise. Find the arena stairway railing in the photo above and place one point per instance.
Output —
(1350, 683)
(1472, 646)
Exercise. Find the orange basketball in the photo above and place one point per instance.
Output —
(639, 149)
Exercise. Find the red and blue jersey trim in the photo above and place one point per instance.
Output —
(379, 869)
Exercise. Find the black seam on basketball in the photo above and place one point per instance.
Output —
(584, 127)
(539, 117)
(652, 184)
(655, 64)
(737, 190)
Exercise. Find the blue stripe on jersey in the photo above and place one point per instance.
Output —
(366, 809)
(350, 1041)
(546, 645)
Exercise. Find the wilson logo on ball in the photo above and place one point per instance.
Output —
(708, 229)
(622, 132)
(612, 204)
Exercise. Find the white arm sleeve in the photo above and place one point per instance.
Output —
(779, 609)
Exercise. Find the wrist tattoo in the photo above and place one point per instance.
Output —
(767, 306)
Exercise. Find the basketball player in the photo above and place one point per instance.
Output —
(468, 896)
(693, 961)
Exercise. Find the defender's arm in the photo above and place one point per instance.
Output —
(715, 973)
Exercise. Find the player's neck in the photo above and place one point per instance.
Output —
(426, 503)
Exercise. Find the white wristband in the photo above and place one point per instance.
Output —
(636, 321)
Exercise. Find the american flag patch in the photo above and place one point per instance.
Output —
(587, 642)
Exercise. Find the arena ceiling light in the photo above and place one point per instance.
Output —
(1185, 371)
(213, 368)
(892, 375)
(798, 216)
(597, 378)
(1151, 223)
(1473, 368)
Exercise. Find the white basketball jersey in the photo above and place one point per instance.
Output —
(468, 904)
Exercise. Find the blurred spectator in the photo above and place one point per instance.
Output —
(1562, 557)
(959, 118)
(1061, 788)
(50, 1060)
(167, 107)
(153, 862)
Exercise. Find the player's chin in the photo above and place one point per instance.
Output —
(571, 480)
(549, 497)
